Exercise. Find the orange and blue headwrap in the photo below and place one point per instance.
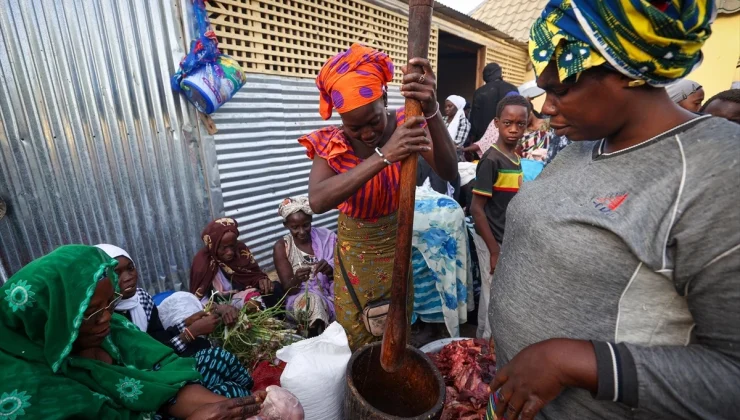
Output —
(352, 79)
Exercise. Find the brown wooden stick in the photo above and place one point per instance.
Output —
(395, 337)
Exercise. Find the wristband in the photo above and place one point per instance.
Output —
(433, 115)
(387, 162)
(192, 337)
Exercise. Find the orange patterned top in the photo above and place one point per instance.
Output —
(379, 196)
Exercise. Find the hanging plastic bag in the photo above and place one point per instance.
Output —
(280, 405)
(316, 372)
(206, 77)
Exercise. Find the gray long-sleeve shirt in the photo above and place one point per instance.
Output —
(639, 252)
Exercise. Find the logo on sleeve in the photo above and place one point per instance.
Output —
(609, 204)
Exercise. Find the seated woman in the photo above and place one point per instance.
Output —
(304, 260)
(187, 337)
(136, 305)
(226, 266)
(65, 354)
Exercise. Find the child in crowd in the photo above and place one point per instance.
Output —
(724, 105)
(498, 178)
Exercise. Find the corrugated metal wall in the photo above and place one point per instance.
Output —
(94, 145)
(260, 160)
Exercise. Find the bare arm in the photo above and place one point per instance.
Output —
(190, 398)
(291, 281)
(443, 156)
(327, 189)
(481, 224)
(472, 148)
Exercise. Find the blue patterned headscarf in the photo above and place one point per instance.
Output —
(656, 41)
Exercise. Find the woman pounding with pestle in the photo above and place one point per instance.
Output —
(356, 168)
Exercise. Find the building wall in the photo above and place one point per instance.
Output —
(721, 57)
(94, 144)
(721, 54)
(295, 38)
(282, 45)
(259, 159)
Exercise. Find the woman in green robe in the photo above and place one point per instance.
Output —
(65, 354)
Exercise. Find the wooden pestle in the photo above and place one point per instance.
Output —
(395, 337)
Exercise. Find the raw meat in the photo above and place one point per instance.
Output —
(468, 367)
(266, 374)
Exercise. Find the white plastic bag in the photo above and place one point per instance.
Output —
(280, 405)
(316, 373)
(178, 307)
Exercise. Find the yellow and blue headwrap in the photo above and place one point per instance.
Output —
(657, 41)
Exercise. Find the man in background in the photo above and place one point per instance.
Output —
(486, 98)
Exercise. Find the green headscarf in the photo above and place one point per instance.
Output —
(41, 310)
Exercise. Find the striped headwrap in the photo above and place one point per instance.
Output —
(657, 41)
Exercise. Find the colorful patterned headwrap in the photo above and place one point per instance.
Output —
(293, 205)
(352, 79)
(658, 41)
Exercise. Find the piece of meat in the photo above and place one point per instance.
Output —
(468, 366)
(451, 395)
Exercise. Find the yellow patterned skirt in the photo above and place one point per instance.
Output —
(367, 249)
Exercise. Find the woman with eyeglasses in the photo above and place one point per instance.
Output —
(65, 354)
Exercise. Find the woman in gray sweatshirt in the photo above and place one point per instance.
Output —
(617, 294)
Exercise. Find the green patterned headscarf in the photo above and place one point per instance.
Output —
(654, 41)
(41, 310)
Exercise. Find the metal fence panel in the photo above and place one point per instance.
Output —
(259, 159)
(94, 145)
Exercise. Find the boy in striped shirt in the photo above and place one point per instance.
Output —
(498, 178)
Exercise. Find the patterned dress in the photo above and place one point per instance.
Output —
(366, 234)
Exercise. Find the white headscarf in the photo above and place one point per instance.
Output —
(682, 89)
(132, 304)
(530, 90)
(459, 102)
(177, 308)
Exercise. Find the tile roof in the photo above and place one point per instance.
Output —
(513, 17)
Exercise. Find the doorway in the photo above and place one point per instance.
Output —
(457, 67)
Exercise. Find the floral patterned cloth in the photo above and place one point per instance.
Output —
(41, 311)
(367, 250)
(443, 282)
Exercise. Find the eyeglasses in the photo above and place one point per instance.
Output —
(111, 306)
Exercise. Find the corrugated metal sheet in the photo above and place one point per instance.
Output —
(259, 159)
(94, 145)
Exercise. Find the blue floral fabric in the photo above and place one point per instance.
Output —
(443, 284)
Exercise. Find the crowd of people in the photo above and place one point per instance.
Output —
(597, 239)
